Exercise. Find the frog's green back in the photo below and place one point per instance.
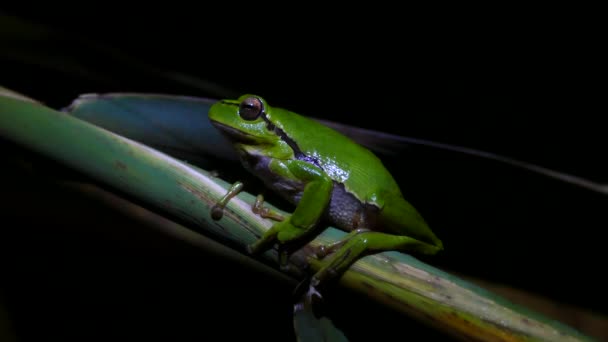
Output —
(345, 161)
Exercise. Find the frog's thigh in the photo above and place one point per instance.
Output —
(365, 243)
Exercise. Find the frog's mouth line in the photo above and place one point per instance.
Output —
(234, 134)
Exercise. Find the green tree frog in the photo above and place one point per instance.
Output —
(328, 177)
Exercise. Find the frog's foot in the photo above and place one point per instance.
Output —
(285, 234)
(217, 211)
(360, 244)
(259, 209)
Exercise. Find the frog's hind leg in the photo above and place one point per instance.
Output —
(359, 244)
(323, 250)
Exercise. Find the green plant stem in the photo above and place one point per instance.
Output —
(188, 193)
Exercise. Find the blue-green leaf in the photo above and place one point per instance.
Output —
(177, 125)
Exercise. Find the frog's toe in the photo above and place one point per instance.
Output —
(320, 252)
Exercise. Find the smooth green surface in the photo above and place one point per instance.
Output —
(395, 279)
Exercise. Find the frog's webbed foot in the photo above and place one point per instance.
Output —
(358, 244)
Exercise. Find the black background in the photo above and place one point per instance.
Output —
(525, 89)
(521, 88)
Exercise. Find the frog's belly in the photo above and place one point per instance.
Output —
(344, 211)
(348, 213)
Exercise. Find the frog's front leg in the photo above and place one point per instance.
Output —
(313, 202)
(217, 211)
(259, 209)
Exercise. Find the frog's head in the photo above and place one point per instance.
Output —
(244, 120)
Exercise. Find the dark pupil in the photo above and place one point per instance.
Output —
(250, 108)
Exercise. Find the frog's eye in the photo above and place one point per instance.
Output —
(251, 108)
